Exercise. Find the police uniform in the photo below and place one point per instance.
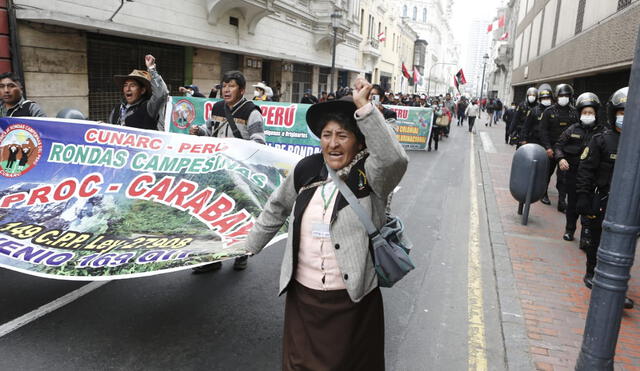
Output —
(554, 121)
(519, 118)
(592, 185)
(531, 131)
(569, 147)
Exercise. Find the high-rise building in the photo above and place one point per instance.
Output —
(477, 47)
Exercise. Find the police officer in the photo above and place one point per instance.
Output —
(516, 127)
(531, 132)
(594, 179)
(556, 119)
(570, 145)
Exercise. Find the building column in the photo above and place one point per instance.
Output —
(315, 81)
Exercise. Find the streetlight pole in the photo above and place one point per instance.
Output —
(431, 69)
(484, 66)
(618, 243)
(335, 20)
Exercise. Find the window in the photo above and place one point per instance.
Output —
(361, 21)
(424, 15)
(404, 11)
(621, 4)
(415, 13)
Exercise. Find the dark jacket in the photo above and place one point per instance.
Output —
(554, 121)
(24, 108)
(573, 141)
(146, 112)
(596, 163)
(516, 127)
(531, 130)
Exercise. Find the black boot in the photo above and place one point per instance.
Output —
(628, 303)
(568, 235)
(545, 199)
(562, 204)
(588, 280)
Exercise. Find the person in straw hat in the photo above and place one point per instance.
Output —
(144, 95)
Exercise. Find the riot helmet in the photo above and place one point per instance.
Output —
(564, 89)
(545, 94)
(587, 99)
(618, 101)
(532, 92)
(70, 113)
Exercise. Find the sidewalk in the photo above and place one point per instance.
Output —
(548, 271)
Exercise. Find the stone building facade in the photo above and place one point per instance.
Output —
(586, 43)
(71, 49)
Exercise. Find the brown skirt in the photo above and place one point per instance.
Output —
(325, 330)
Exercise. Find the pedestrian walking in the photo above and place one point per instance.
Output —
(516, 128)
(556, 119)
(508, 117)
(232, 117)
(472, 112)
(568, 149)
(490, 109)
(593, 182)
(144, 96)
(442, 121)
(13, 102)
(461, 106)
(497, 113)
(333, 316)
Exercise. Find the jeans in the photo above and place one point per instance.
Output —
(472, 120)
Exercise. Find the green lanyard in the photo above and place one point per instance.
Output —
(324, 200)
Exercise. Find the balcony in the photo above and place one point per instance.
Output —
(252, 11)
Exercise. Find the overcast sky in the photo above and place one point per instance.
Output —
(466, 10)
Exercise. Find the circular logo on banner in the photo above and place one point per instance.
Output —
(183, 114)
(20, 150)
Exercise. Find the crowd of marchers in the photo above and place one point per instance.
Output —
(580, 135)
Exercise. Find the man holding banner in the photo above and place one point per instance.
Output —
(144, 96)
(232, 117)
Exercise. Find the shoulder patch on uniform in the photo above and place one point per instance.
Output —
(613, 156)
(585, 153)
(576, 136)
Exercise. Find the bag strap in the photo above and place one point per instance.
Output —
(355, 204)
(231, 122)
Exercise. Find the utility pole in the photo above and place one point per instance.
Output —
(618, 243)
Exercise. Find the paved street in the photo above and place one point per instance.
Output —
(530, 291)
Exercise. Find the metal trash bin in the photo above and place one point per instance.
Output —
(528, 180)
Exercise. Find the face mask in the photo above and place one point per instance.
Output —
(619, 121)
(546, 102)
(563, 101)
(513, 107)
(189, 93)
(531, 98)
(256, 93)
(588, 119)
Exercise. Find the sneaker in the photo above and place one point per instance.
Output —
(240, 263)
(207, 268)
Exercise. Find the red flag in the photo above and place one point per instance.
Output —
(405, 72)
(416, 75)
(382, 37)
(458, 79)
(504, 36)
(498, 23)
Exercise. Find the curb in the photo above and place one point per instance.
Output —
(514, 333)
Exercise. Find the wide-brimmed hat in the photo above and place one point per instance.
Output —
(261, 85)
(317, 112)
(142, 77)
